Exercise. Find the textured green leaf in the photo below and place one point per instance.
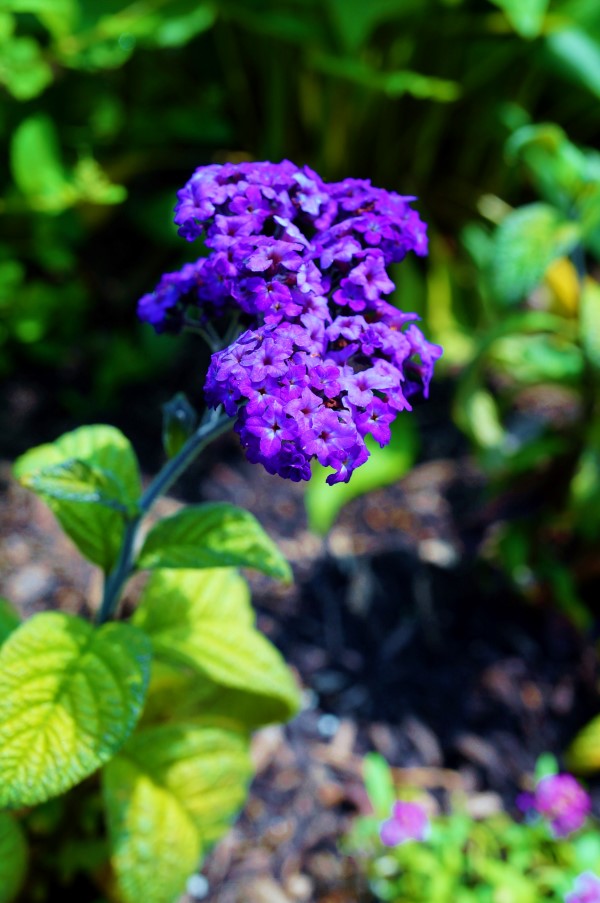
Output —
(525, 244)
(172, 791)
(203, 619)
(76, 481)
(385, 466)
(100, 464)
(9, 619)
(70, 695)
(13, 858)
(180, 693)
(212, 535)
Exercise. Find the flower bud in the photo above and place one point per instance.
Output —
(179, 422)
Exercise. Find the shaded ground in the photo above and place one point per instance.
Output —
(404, 641)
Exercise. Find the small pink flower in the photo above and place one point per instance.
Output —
(408, 822)
(585, 890)
(563, 801)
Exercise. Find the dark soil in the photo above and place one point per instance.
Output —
(405, 638)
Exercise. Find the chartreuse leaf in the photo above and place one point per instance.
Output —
(525, 244)
(584, 753)
(212, 535)
(589, 321)
(172, 791)
(204, 620)
(13, 858)
(70, 695)
(181, 693)
(379, 784)
(9, 619)
(90, 478)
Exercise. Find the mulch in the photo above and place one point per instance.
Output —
(403, 635)
(404, 639)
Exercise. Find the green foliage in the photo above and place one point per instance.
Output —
(9, 619)
(212, 535)
(371, 89)
(527, 18)
(170, 793)
(379, 784)
(467, 860)
(386, 465)
(535, 261)
(584, 753)
(90, 478)
(525, 244)
(13, 858)
(203, 620)
(70, 695)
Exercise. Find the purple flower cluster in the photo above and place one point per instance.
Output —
(561, 800)
(408, 822)
(585, 890)
(325, 360)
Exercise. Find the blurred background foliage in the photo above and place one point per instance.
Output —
(487, 110)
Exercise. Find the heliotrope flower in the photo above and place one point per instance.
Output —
(561, 800)
(408, 822)
(585, 890)
(325, 360)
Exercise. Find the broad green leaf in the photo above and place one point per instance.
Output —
(178, 693)
(525, 16)
(203, 619)
(385, 466)
(212, 535)
(76, 481)
(36, 165)
(9, 619)
(589, 322)
(578, 56)
(13, 858)
(171, 793)
(525, 244)
(23, 68)
(584, 753)
(59, 16)
(70, 695)
(379, 784)
(95, 469)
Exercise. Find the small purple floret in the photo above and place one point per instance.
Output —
(326, 360)
(408, 822)
(561, 800)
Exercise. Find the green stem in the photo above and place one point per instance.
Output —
(216, 424)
